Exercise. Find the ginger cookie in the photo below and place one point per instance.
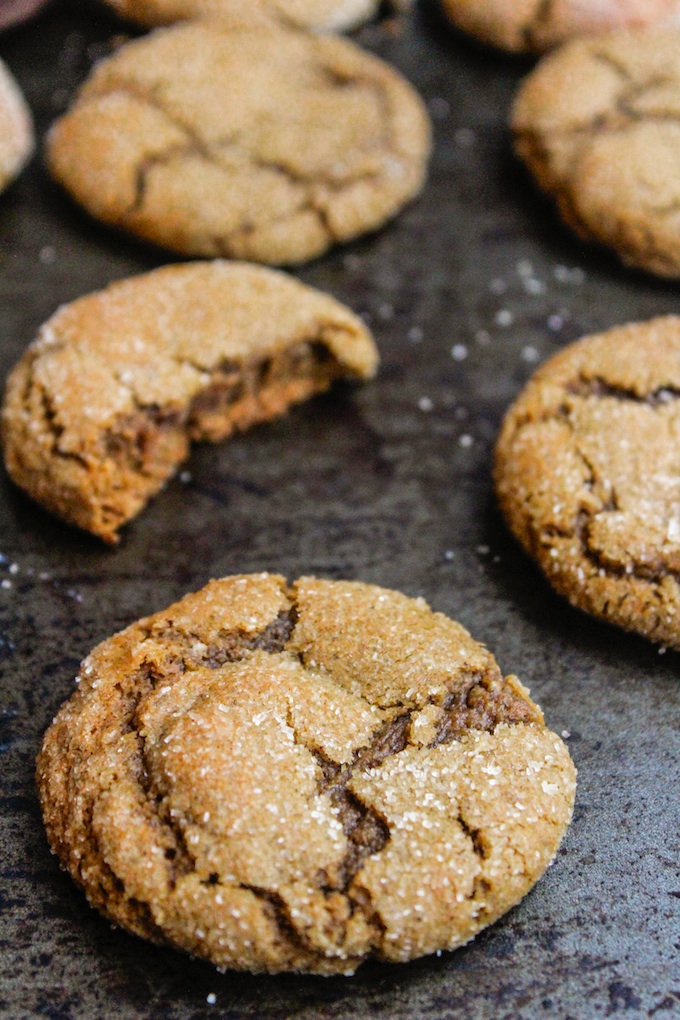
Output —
(314, 15)
(16, 129)
(103, 406)
(596, 124)
(298, 778)
(534, 26)
(259, 142)
(588, 475)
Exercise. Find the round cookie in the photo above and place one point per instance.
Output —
(596, 123)
(297, 778)
(315, 15)
(588, 475)
(535, 26)
(102, 407)
(16, 129)
(260, 142)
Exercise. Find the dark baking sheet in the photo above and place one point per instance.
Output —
(390, 483)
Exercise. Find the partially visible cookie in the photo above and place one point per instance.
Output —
(278, 777)
(315, 15)
(588, 475)
(536, 25)
(103, 406)
(597, 124)
(257, 142)
(16, 129)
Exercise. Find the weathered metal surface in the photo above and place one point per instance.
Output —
(390, 483)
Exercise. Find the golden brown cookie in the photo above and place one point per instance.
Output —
(103, 406)
(315, 15)
(16, 129)
(297, 778)
(536, 25)
(257, 142)
(597, 125)
(588, 475)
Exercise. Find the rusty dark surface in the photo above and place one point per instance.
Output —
(391, 484)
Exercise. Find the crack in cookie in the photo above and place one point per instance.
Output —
(189, 148)
(239, 776)
(589, 479)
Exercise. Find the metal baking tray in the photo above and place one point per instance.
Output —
(466, 291)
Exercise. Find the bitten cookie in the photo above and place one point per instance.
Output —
(16, 129)
(297, 778)
(588, 475)
(315, 15)
(596, 124)
(536, 25)
(265, 143)
(103, 406)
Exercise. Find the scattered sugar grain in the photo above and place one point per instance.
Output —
(465, 137)
(47, 254)
(439, 107)
(504, 317)
(498, 286)
(459, 352)
(465, 440)
(530, 354)
(386, 311)
(5, 583)
(415, 335)
(425, 404)
(483, 337)
(211, 999)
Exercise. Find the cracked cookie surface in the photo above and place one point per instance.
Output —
(103, 406)
(16, 129)
(262, 143)
(315, 15)
(588, 475)
(598, 124)
(537, 25)
(299, 777)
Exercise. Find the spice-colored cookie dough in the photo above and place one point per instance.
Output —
(102, 408)
(588, 475)
(597, 125)
(536, 25)
(299, 777)
(259, 142)
(315, 15)
(16, 129)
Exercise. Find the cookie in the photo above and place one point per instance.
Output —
(588, 475)
(256, 142)
(16, 129)
(596, 125)
(315, 15)
(297, 778)
(535, 26)
(103, 406)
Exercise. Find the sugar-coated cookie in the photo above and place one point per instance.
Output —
(103, 406)
(597, 125)
(536, 25)
(297, 778)
(260, 142)
(588, 475)
(16, 129)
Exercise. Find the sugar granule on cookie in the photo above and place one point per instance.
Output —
(534, 26)
(16, 129)
(588, 475)
(596, 124)
(103, 406)
(315, 15)
(221, 138)
(277, 777)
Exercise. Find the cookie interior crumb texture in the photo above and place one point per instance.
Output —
(103, 406)
(596, 123)
(16, 129)
(297, 778)
(316, 15)
(220, 138)
(588, 475)
(537, 25)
